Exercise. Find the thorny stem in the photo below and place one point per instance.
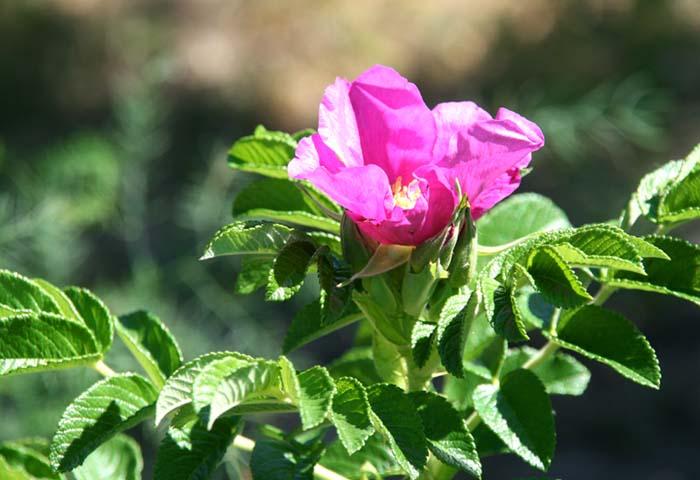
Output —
(320, 472)
(103, 369)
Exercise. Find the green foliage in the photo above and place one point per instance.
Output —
(519, 412)
(191, 451)
(265, 152)
(678, 276)
(276, 459)
(18, 294)
(395, 417)
(25, 461)
(425, 311)
(117, 459)
(611, 339)
(279, 200)
(316, 389)
(666, 195)
(177, 391)
(25, 348)
(151, 344)
(350, 414)
(555, 280)
(519, 216)
(110, 406)
(94, 314)
(561, 374)
(453, 328)
(447, 436)
(241, 238)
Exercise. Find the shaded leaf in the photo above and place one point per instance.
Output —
(350, 414)
(520, 414)
(610, 338)
(448, 438)
(395, 417)
(151, 343)
(118, 459)
(108, 407)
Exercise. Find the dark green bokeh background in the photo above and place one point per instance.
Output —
(115, 118)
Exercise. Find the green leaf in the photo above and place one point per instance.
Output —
(254, 274)
(240, 238)
(289, 270)
(190, 451)
(536, 312)
(561, 374)
(8, 472)
(276, 460)
(645, 201)
(422, 342)
(280, 200)
(610, 338)
(350, 414)
(212, 374)
(310, 323)
(601, 246)
(328, 240)
(265, 153)
(40, 342)
(459, 390)
(24, 459)
(18, 294)
(65, 306)
(502, 310)
(108, 407)
(357, 363)
(682, 200)
(555, 280)
(151, 343)
(647, 249)
(395, 417)
(178, 389)
(679, 276)
(118, 459)
(448, 438)
(248, 381)
(518, 216)
(374, 461)
(489, 362)
(520, 414)
(95, 315)
(455, 322)
(316, 392)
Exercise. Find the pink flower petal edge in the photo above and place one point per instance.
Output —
(394, 164)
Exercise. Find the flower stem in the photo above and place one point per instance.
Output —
(320, 472)
(103, 369)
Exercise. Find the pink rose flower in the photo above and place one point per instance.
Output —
(393, 163)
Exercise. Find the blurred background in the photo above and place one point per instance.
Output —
(115, 118)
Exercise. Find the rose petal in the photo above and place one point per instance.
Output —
(337, 126)
(363, 190)
(397, 130)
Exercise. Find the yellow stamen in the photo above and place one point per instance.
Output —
(405, 196)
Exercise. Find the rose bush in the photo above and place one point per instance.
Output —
(395, 208)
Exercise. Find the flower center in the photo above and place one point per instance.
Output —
(405, 196)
